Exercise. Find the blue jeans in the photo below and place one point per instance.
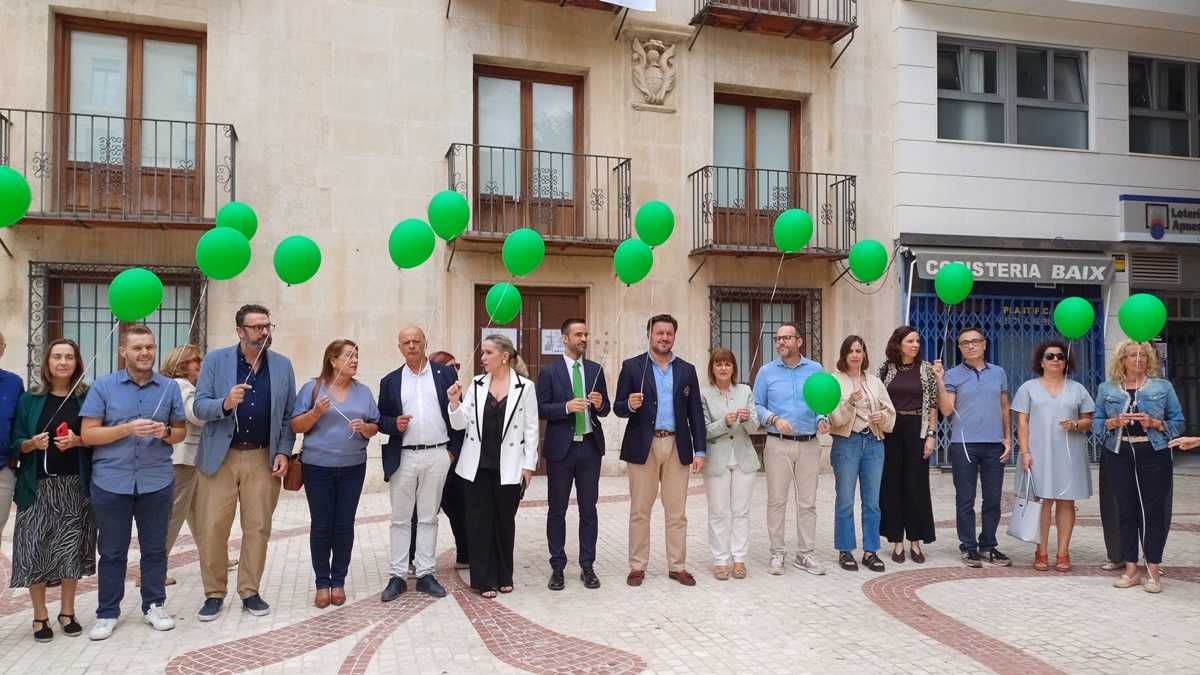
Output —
(984, 466)
(332, 494)
(115, 516)
(857, 462)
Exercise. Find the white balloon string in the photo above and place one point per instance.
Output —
(759, 338)
(1062, 402)
(646, 365)
(82, 375)
(483, 332)
(617, 334)
(191, 327)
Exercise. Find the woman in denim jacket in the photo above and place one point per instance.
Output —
(1137, 414)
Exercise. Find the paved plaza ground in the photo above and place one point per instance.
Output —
(939, 617)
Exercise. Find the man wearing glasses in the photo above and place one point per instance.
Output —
(245, 395)
(975, 392)
(792, 456)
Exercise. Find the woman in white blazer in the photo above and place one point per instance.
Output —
(498, 457)
(731, 465)
(183, 365)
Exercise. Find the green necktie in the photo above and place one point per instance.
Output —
(577, 383)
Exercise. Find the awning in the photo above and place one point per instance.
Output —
(1018, 267)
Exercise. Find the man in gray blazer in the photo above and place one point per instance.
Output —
(245, 395)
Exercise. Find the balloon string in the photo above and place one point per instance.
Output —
(617, 331)
(434, 307)
(499, 302)
(758, 341)
(1062, 402)
(646, 365)
(82, 375)
(954, 409)
(191, 327)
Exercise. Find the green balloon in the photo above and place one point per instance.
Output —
(822, 393)
(503, 303)
(868, 260)
(953, 283)
(222, 253)
(15, 196)
(134, 294)
(1142, 317)
(240, 217)
(523, 251)
(793, 229)
(411, 243)
(1073, 317)
(449, 214)
(654, 223)
(633, 260)
(297, 259)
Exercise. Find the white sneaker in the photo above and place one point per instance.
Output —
(102, 629)
(157, 616)
(809, 564)
(776, 566)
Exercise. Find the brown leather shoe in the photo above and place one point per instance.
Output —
(321, 601)
(337, 597)
(635, 577)
(684, 577)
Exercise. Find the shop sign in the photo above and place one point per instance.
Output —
(1016, 268)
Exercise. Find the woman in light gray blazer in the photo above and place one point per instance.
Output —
(731, 464)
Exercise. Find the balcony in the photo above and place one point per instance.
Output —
(734, 210)
(578, 202)
(101, 171)
(585, 4)
(820, 20)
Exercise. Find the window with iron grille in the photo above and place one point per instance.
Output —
(744, 320)
(70, 300)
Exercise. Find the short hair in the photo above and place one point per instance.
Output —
(846, 345)
(1039, 353)
(46, 382)
(566, 326)
(333, 351)
(721, 355)
(969, 329)
(1116, 369)
(891, 353)
(794, 326)
(135, 329)
(442, 358)
(250, 309)
(662, 318)
(176, 362)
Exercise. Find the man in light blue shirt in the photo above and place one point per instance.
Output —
(793, 454)
(130, 419)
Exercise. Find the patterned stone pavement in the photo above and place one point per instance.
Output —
(938, 617)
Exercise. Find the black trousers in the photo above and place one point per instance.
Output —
(1143, 478)
(455, 507)
(581, 468)
(491, 529)
(1110, 512)
(905, 505)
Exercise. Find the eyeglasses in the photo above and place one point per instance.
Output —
(1059, 356)
(455, 366)
(971, 343)
(785, 338)
(264, 328)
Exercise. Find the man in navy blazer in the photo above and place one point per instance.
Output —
(245, 395)
(572, 397)
(660, 395)
(414, 413)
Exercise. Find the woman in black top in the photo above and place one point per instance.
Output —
(55, 534)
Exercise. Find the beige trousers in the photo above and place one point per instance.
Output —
(185, 504)
(792, 464)
(662, 468)
(244, 477)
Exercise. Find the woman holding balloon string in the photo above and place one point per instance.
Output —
(1053, 412)
(1137, 413)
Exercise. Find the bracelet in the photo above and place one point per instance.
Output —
(312, 412)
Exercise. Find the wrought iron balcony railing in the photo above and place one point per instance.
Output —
(103, 170)
(824, 20)
(565, 197)
(734, 209)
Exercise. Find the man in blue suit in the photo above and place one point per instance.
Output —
(245, 395)
(414, 413)
(572, 397)
(660, 395)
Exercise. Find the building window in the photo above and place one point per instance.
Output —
(744, 320)
(1020, 94)
(1164, 110)
(755, 145)
(71, 300)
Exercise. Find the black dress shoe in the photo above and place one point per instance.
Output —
(396, 586)
(556, 580)
(590, 580)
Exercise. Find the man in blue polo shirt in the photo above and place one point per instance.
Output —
(975, 392)
(793, 454)
(11, 389)
(130, 419)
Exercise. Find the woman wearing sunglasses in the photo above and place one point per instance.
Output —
(1053, 412)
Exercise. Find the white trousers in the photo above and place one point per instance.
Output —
(418, 482)
(729, 494)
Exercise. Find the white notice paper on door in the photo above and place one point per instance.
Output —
(552, 341)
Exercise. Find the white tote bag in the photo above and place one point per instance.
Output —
(1025, 523)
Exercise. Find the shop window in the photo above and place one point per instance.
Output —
(1164, 110)
(1000, 93)
(744, 320)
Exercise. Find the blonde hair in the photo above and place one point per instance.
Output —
(1116, 368)
(505, 346)
(176, 363)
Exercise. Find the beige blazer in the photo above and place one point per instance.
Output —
(184, 452)
(875, 399)
(724, 440)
